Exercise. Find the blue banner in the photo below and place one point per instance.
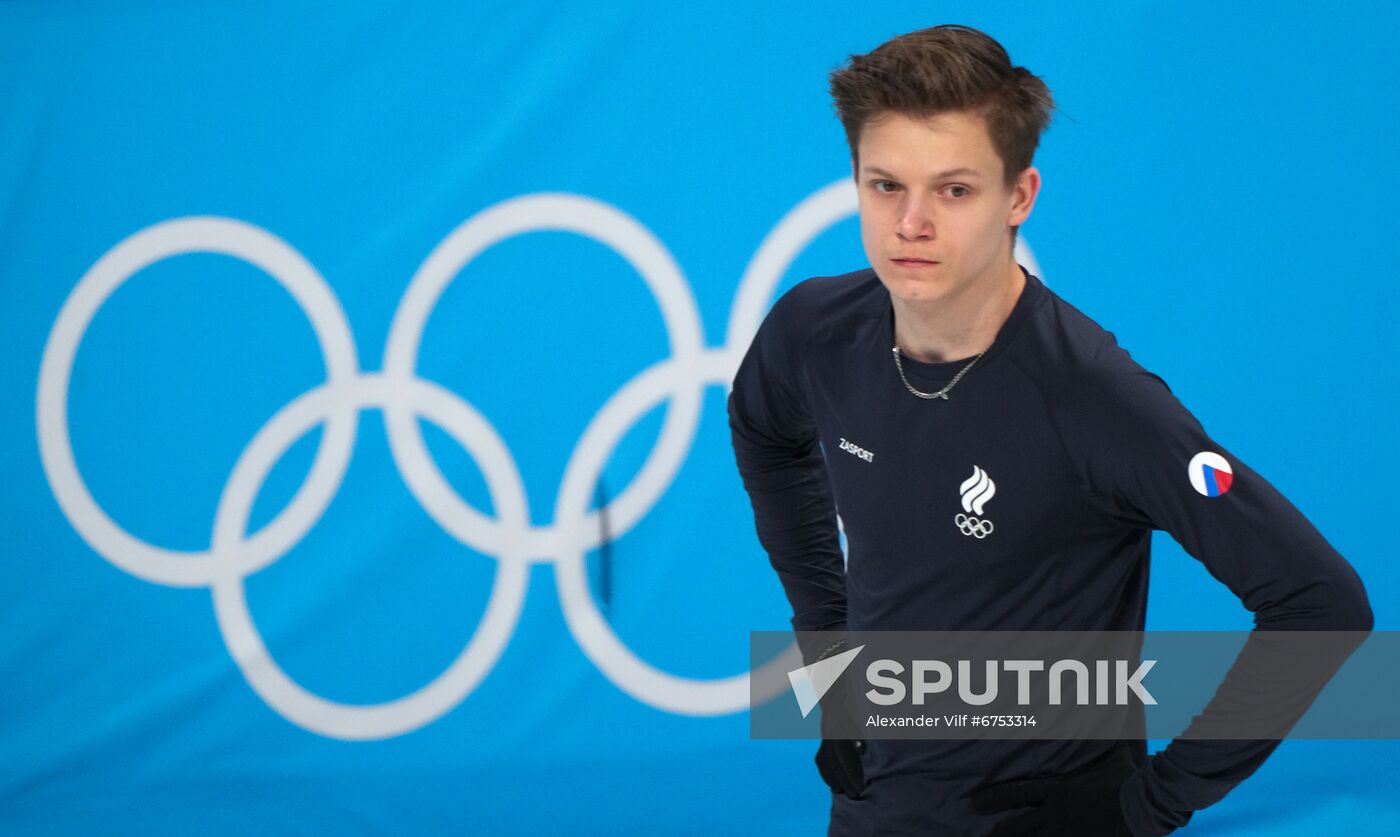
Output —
(366, 461)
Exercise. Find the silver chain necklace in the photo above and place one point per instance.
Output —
(942, 393)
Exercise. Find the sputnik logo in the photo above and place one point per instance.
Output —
(811, 682)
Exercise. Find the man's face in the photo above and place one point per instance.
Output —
(935, 210)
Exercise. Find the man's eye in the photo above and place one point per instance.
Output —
(884, 186)
(959, 191)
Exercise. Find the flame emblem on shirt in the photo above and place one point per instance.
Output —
(976, 491)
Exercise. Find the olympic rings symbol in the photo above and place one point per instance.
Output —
(511, 538)
(976, 526)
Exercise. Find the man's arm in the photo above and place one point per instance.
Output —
(1137, 442)
(780, 459)
(781, 463)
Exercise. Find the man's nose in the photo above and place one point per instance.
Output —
(915, 223)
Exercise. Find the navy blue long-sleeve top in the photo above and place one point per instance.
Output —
(1026, 501)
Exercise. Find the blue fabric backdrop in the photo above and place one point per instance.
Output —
(337, 337)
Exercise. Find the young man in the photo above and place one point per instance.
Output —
(998, 461)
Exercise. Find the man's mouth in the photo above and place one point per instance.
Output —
(913, 262)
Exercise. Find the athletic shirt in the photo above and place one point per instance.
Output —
(1026, 501)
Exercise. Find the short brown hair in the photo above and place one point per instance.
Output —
(946, 68)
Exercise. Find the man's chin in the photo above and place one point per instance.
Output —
(917, 291)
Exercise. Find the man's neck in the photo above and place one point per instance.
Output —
(953, 329)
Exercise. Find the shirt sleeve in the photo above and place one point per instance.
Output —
(1149, 463)
(780, 460)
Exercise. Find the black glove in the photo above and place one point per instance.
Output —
(1078, 805)
(839, 764)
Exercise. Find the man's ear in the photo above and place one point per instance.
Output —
(1023, 195)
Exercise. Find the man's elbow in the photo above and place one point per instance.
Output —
(1350, 607)
(1334, 602)
(1353, 608)
(1361, 618)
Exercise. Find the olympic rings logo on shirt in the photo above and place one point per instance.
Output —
(404, 398)
(977, 526)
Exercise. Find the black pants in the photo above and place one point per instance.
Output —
(922, 788)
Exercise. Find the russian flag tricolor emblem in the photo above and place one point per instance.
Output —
(1210, 474)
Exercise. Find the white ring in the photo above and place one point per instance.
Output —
(171, 238)
(241, 635)
(569, 213)
(619, 663)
